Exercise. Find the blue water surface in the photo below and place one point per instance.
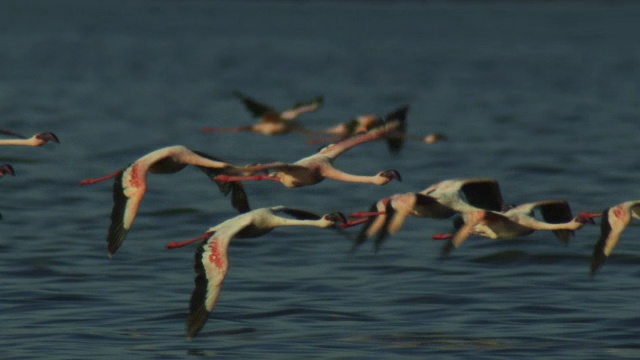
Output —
(543, 96)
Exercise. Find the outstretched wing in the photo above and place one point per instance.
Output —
(305, 106)
(128, 190)
(211, 265)
(483, 193)
(606, 242)
(557, 212)
(296, 213)
(257, 109)
(239, 199)
(393, 121)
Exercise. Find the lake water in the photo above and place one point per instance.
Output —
(543, 96)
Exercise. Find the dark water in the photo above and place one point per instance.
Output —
(543, 96)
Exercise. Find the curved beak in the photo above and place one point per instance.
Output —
(392, 174)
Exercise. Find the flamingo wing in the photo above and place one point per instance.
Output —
(211, 265)
(257, 109)
(557, 212)
(606, 242)
(127, 194)
(308, 106)
(392, 122)
(296, 213)
(483, 193)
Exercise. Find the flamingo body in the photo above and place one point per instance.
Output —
(270, 121)
(315, 168)
(439, 201)
(130, 185)
(211, 261)
(518, 221)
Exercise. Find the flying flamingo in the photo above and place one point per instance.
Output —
(130, 184)
(6, 169)
(211, 262)
(614, 220)
(270, 121)
(364, 123)
(517, 221)
(315, 168)
(439, 201)
(38, 139)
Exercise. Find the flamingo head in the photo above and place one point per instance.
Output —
(391, 175)
(46, 137)
(434, 138)
(335, 217)
(6, 169)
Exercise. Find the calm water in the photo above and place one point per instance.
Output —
(542, 96)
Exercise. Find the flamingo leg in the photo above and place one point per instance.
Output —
(176, 244)
(366, 213)
(98, 179)
(351, 223)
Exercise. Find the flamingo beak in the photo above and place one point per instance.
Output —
(336, 217)
(48, 136)
(392, 174)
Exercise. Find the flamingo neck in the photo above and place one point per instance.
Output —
(23, 142)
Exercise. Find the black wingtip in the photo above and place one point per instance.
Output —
(117, 232)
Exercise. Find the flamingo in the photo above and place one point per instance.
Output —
(517, 221)
(130, 184)
(6, 169)
(211, 262)
(364, 123)
(38, 139)
(315, 168)
(439, 201)
(272, 122)
(614, 220)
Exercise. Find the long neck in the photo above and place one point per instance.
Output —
(281, 221)
(541, 225)
(335, 174)
(23, 142)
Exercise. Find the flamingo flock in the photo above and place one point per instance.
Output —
(475, 204)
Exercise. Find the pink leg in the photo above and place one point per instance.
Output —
(351, 223)
(366, 213)
(177, 244)
(98, 179)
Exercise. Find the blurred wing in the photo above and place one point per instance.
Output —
(394, 121)
(308, 106)
(256, 108)
(371, 227)
(483, 193)
(127, 195)
(297, 213)
(557, 212)
(606, 242)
